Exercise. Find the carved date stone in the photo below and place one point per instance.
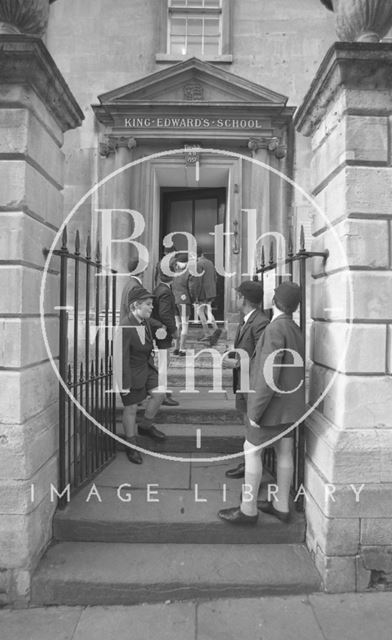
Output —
(361, 20)
(24, 16)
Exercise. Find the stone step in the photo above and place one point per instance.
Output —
(196, 408)
(190, 492)
(89, 573)
(194, 438)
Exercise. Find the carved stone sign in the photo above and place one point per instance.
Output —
(193, 91)
(179, 122)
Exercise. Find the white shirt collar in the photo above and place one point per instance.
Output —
(138, 279)
(277, 313)
(246, 318)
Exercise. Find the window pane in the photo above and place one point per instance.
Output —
(178, 27)
(211, 27)
(212, 4)
(195, 27)
(211, 49)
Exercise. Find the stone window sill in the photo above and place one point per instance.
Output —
(161, 58)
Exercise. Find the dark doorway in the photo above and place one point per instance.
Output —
(196, 211)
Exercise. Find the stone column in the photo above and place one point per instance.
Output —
(347, 113)
(36, 109)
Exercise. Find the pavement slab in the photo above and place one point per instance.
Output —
(144, 622)
(354, 616)
(288, 618)
(57, 623)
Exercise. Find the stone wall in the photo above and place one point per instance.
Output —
(36, 109)
(103, 45)
(347, 113)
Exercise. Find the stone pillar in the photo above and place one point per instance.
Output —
(36, 109)
(347, 113)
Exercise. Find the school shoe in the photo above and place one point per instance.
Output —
(181, 353)
(268, 507)
(170, 402)
(152, 432)
(237, 472)
(234, 515)
(215, 337)
(205, 339)
(133, 455)
(176, 352)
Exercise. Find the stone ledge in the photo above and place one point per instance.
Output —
(356, 66)
(25, 60)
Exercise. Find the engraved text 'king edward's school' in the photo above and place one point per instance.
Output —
(179, 122)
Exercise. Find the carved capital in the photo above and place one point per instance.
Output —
(273, 145)
(24, 16)
(112, 143)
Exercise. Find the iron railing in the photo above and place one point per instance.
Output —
(85, 365)
(296, 263)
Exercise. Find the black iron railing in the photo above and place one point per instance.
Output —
(296, 264)
(85, 365)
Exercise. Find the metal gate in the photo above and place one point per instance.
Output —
(296, 264)
(87, 308)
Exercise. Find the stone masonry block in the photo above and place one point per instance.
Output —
(24, 238)
(389, 349)
(21, 341)
(343, 457)
(385, 439)
(376, 558)
(25, 393)
(24, 448)
(354, 243)
(378, 531)
(22, 186)
(350, 348)
(21, 288)
(18, 497)
(356, 138)
(22, 133)
(338, 573)
(347, 500)
(371, 296)
(25, 98)
(360, 402)
(335, 536)
(24, 537)
(353, 191)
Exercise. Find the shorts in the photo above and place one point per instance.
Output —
(134, 396)
(180, 310)
(258, 436)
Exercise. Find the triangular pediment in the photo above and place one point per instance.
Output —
(193, 81)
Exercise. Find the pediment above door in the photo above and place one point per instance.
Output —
(192, 89)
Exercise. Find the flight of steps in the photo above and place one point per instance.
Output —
(123, 551)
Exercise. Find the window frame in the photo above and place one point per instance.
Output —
(225, 13)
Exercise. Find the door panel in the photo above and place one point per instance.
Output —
(196, 211)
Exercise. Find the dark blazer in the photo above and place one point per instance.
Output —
(247, 337)
(267, 407)
(165, 311)
(131, 283)
(208, 279)
(138, 351)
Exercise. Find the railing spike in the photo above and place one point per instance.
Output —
(92, 373)
(77, 243)
(98, 253)
(271, 259)
(262, 257)
(64, 239)
(102, 370)
(290, 244)
(302, 238)
(81, 374)
(69, 379)
(110, 364)
(88, 247)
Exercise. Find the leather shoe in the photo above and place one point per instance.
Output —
(238, 472)
(268, 507)
(134, 456)
(170, 402)
(234, 515)
(152, 432)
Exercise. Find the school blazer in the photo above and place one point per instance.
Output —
(268, 407)
(247, 337)
(165, 311)
(138, 346)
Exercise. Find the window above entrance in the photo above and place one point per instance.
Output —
(198, 28)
